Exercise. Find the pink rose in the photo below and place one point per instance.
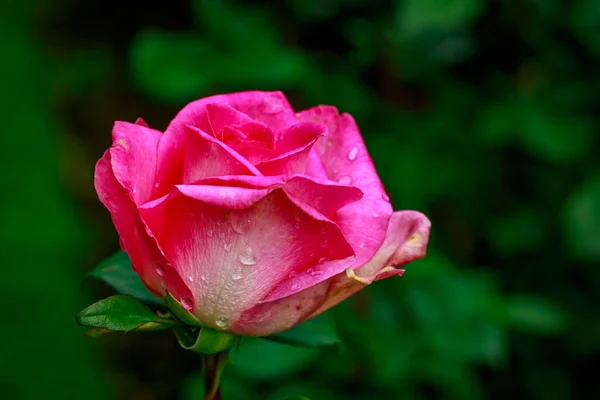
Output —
(252, 216)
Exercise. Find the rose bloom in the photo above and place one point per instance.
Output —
(252, 216)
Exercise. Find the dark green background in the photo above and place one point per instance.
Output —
(483, 115)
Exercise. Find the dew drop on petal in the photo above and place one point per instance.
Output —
(361, 245)
(322, 260)
(160, 270)
(314, 271)
(186, 303)
(375, 215)
(298, 216)
(295, 286)
(346, 180)
(237, 274)
(203, 278)
(247, 257)
(191, 278)
(353, 153)
(222, 322)
(156, 185)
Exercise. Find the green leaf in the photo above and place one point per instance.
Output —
(180, 312)
(122, 313)
(581, 220)
(261, 359)
(533, 314)
(207, 341)
(316, 332)
(118, 273)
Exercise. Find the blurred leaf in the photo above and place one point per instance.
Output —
(416, 16)
(581, 220)
(316, 332)
(122, 313)
(118, 273)
(168, 65)
(265, 360)
(535, 315)
(520, 231)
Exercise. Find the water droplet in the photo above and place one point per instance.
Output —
(324, 244)
(191, 278)
(362, 245)
(322, 260)
(247, 257)
(375, 215)
(385, 197)
(203, 278)
(237, 274)
(329, 143)
(186, 303)
(240, 223)
(222, 322)
(227, 246)
(353, 153)
(346, 180)
(156, 185)
(314, 271)
(298, 216)
(295, 286)
(323, 231)
(297, 225)
(209, 232)
(160, 270)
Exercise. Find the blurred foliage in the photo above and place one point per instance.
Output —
(484, 115)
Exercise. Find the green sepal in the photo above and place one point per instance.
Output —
(118, 273)
(121, 313)
(319, 331)
(180, 312)
(205, 340)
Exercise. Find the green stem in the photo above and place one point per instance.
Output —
(214, 364)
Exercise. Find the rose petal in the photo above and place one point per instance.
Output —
(206, 156)
(233, 246)
(133, 158)
(146, 258)
(406, 241)
(279, 315)
(345, 158)
(270, 108)
(222, 115)
(293, 154)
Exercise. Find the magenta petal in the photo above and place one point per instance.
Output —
(279, 315)
(314, 165)
(327, 197)
(345, 158)
(406, 240)
(133, 159)
(206, 156)
(146, 258)
(293, 153)
(222, 115)
(234, 246)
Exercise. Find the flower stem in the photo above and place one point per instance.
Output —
(214, 364)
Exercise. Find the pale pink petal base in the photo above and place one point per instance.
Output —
(406, 241)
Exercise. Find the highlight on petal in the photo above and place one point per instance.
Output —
(406, 240)
(235, 246)
(146, 258)
(346, 160)
(133, 158)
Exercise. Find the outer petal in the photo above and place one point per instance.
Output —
(271, 108)
(206, 156)
(133, 158)
(279, 315)
(146, 258)
(406, 241)
(293, 153)
(346, 159)
(233, 246)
